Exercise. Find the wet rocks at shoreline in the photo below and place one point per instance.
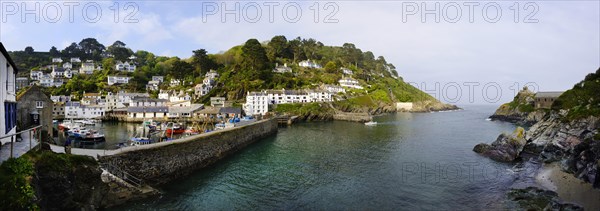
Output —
(506, 148)
(533, 198)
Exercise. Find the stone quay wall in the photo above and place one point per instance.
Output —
(166, 161)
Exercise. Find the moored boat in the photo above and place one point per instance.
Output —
(370, 123)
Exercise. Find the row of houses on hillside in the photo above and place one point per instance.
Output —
(258, 103)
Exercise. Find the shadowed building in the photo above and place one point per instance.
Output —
(31, 101)
(545, 99)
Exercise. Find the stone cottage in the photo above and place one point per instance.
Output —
(33, 100)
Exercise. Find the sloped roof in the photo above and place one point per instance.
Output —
(32, 89)
(548, 94)
(158, 109)
(10, 61)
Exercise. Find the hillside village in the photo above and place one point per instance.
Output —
(88, 80)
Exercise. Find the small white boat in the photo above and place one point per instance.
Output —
(370, 123)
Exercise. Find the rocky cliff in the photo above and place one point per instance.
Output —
(520, 111)
(568, 133)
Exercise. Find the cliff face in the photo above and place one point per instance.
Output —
(575, 144)
(520, 110)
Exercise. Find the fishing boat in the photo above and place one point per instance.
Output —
(370, 123)
(136, 141)
(67, 125)
(83, 134)
(175, 129)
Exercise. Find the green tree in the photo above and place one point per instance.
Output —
(331, 67)
(91, 48)
(277, 48)
(202, 61)
(54, 52)
(254, 56)
(119, 51)
(29, 50)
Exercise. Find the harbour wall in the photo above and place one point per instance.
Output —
(166, 161)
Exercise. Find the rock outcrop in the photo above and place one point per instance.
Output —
(532, 198)
(520, 111)
(506, 148)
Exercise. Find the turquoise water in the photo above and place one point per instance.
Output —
(408, 161)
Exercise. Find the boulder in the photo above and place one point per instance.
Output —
(506, 148)
(532, 198)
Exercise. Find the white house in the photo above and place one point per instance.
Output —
(202, 89)
(164, 94)
(350, 82)
(46, 80)
(125, 66)
(160, 79)
(152, 85)
(175, 82)
(57, 60)
(346, 71)
(258, 102)
(334, 88)
(58, 72)
(112, 80)
(180, 97)
(8, 74)
(67, 65)
(309, 64)
(35, 75)
(212, 74)
(147, 112)
(147, 102)
(76, 110)
(184, 111)
(121, 99)
(75, 60)
(58, 82)
(282, 69)
(60, 98)
(87, 68)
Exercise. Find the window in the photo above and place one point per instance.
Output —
(39, 104)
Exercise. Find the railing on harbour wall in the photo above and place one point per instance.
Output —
(119, 173)
(31, 132)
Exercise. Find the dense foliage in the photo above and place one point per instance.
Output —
(243, 68)
(583, 99)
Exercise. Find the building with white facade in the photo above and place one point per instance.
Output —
(334, 88)
(346, 71)
(8, 95)
(125, 66)
(309, 64)
(152, 85)
(121, 99)
(57, 60)
(259, 102)
(175, 82)
(75, 60)
(60, 98)
(350, 82)
(158, 78)
(282, 69)
(112, 80)
(212, 74)
(87, 67)
(46, 80)
(75, 110)
(67, 65)
(182, 96)
(35, 75)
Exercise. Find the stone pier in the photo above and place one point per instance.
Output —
(166, 161)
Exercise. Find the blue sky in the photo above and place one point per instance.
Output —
(553, 53)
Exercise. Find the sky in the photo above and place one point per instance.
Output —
(474, 52)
